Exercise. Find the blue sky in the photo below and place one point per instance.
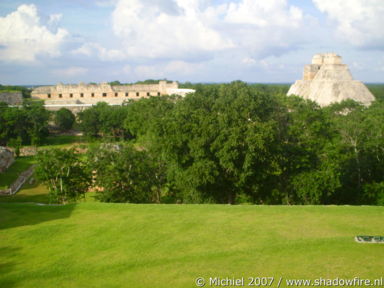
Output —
(46, 42)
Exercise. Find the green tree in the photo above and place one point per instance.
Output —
(65, 173)
(144, 116)
(37, 118)
(112, 119)
(103, 120)
(374, 193)
(306, 149)
(90, 119)
(124, 174)
(29, 122)
(64, 119)
(114, 83)
(16, 144)
(218, 142)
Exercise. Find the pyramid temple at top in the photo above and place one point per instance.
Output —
(327, 80)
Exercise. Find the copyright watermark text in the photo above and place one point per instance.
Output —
(272, 282)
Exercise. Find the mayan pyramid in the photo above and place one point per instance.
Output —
(327, 80)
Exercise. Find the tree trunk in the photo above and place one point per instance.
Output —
(231, 197)
(358, 167)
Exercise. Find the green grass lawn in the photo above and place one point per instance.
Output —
(68, 141)
(63, 141)
(125, 245)
(30, 192)
(38, 193)
(10, 175)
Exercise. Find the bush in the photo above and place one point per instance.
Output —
(374, 193)
(65, 173)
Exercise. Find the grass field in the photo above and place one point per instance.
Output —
(34, 192)
(125, 245)
(63, 141)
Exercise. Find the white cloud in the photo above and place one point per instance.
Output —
(104, 54)
(182, 68)
(71, 71)
(23, 37)
(173, 69)
(148, 71)
(197, 29)
(262, 27)
(360, 22)
(249, 61)
(263, 13)
(54, 19)
(165, 29)
(87, 49)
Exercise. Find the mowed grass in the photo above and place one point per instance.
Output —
(126, 245)
(63, 141)
(36, 192)
(30, 192)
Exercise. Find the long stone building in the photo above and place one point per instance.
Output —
(79, 96)
(327, 80)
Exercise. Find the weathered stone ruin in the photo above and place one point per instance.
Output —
(11, 98)
(6, 158)
(327, 81)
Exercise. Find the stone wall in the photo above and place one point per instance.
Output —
(11, 98)
(310, 71)
(6, 158)
(326, 58)
(15, 186)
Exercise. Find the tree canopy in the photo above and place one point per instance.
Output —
(29, 123)
(64, 119)
(236, 143)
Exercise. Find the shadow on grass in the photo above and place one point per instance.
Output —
(7, 266)
(22, 214)
(14, 212)
(63, 140)
(37, 198)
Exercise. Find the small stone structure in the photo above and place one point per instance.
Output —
(15, 186)
(369, 239)
(24, 151)
(327, 81)
(11, 98)
(85, 95)
(6, 158)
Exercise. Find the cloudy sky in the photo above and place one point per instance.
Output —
(71, 41)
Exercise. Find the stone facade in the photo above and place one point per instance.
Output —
(11, 98)
(85, 95)
(327, 81)
(6, 158)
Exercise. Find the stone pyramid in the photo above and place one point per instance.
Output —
(327, 81)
